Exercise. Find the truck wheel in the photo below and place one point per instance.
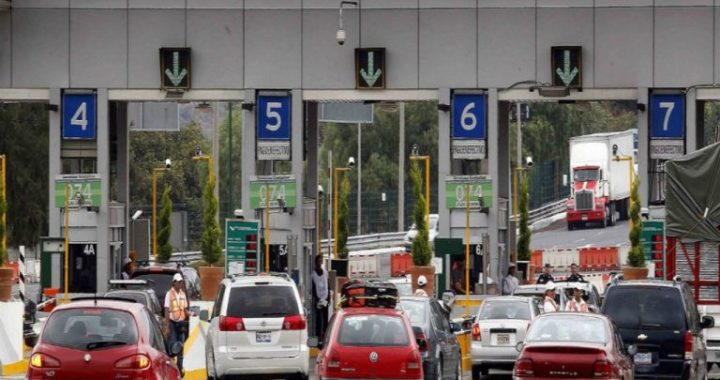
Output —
(606, 219)
(612, 214)
(624, 209)
(571, 226)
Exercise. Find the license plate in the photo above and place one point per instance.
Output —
(584, 217)
(643, 358)
(503, 339)
(263, 337)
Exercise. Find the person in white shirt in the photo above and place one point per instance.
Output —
(421, 282)
(509, 282)
(177, 311)
(577, 303)
(549, 304)
(320, 296)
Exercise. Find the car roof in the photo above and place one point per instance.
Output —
(508, 298)
(574, 284)
(101, 303)
(415, 298)
(370, 310)
(557, 314)
(649, 282)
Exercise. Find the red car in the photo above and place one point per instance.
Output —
(101, 339)
(573, 346)
(370, 343)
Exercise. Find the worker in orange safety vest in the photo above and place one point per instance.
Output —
(176, 316)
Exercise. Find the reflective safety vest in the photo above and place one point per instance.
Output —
(178, 304)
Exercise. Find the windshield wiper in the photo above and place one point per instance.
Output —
(102, 344)
(278, 314)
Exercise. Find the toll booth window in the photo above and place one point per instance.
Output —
(79, 166)
(586, 175)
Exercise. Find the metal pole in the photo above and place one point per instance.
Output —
(4, 214)
(427, 191)
(331, 208)
(359, 181)
(335, 212)
(518, 115)
(401, 168)
(267, 227)
(515, 197)
(320, 225)
(67, 238)
(154, 212)
(230, 160)
(467, 249)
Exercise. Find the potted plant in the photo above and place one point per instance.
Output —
(635, 268)
(523, 244)
(340, 263)
(6, 273)
(165, 228)
(211, 273)
(421, 249)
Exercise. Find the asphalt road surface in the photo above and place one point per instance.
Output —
(556, 235)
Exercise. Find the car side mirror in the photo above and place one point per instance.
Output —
(707, 322)
(519, 346)
(632, 350)
(204, 316)
(422, 344)
(176, 348)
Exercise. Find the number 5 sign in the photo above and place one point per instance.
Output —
(78, 122)
(468, 125)
(273, 126)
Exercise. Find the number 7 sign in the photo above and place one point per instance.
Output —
(78, 119)
(667, 116)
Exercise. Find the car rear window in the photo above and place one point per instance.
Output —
(373, 330)
(262, 301)
(659, 308)
(90, 329)
(161, 283)
(568, 328)
(415, 310)
(505, 310)
(134, 296)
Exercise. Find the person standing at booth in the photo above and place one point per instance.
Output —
(320, 296)
(177, 311)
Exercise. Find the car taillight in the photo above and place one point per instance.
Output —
(476, 331)
(133, 362)
(602, 368)
(294, 322)
(688, 345)
(413, 362)
(523, 367)
(231, 324)
(420, 337)
(333, 359)
(44, 361)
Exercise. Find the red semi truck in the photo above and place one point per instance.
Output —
(600, 183)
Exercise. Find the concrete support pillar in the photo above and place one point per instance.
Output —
(103, 251)
(444, 161)
(122, 182)
(248, 153)
(693, 141)
(494, 172)
(643, 125)
(296, 219)
(54, 162)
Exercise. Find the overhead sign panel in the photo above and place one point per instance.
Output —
(274, 124)
(469, 126)
(370, 68)
(84, 190)
(281, 190)
(79, 120)
(348, 113)
(667, 126)
(456, 188)
(175, 69)
(566, 66)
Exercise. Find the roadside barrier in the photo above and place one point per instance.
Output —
(12, 356)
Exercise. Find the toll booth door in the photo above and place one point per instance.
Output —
(278, 258)
(83, 268)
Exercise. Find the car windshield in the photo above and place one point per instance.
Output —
(262, 301)
(567, 328)
(134, 296)
(505, 310)
(90, 329)
(161, 283)
(586, 175)
(415, 310)
(373, 330)
(645, 308)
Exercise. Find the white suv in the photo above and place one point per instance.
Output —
(257, 327)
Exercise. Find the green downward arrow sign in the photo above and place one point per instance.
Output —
(176, 76)
(371, 75)
(566, 75)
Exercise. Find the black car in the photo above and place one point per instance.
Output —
(442, 352)
(139, 291)
(662, 320)
(160, 278)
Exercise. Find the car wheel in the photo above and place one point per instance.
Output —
(476, 372)
(571, 226)
(302, 376)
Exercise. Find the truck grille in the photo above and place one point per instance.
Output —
(583, 200)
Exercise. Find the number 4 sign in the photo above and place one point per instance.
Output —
(79, 111)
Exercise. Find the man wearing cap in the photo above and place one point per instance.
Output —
(545, 276)
(577, 303)
(176, 314)
(421, 282)
(549, 304)
(509, 282)
(574, 275)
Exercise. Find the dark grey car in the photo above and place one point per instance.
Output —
(441, 358)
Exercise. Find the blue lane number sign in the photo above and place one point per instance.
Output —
(667, 126)
(469, 126)
(273, 127)
(79, 121)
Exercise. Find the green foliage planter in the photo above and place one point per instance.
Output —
(210, 276)
(523, 244)
(635, 268)
(165, 228)
(421, 249)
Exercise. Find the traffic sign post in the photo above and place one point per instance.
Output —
(469, 126)
(667, 125)
(480, 189)
(274, 125)
(175, 69)
(566, 66)
(241, 246)
(652, 237)
(370, 68)
(282, 191)
(79, 110)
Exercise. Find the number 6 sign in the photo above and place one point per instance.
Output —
(468, 116)
(78, 122)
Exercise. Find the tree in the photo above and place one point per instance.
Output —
(342, 219)
(165, 228)
(210, 240)
(234, 155)
(523, 244)
(421, 250)
(3, 210)
(636, 256)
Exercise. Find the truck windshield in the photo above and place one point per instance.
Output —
(587, 175)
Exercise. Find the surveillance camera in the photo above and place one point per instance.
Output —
(615, 149)
(529, 161)
(340, 36)
(415, 150)
(239, 213)
(136, 214)
(168, 163)
(198, 151)
(351, 162)
(321, 191)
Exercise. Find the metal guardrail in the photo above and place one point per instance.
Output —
(545, 211)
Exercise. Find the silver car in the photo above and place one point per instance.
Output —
(499, 325)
